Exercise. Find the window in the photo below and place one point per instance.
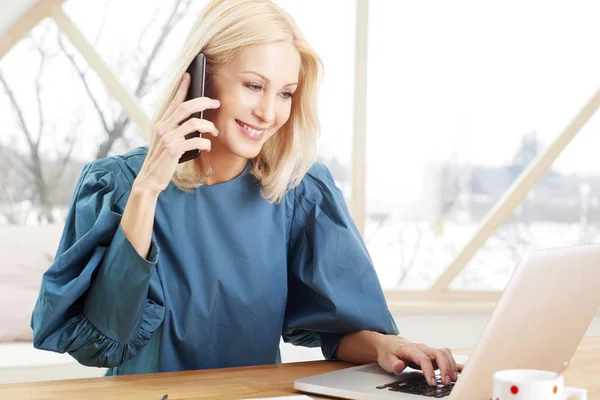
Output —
(81, 119)
(75, 116)
(461, 95)
(329, 26)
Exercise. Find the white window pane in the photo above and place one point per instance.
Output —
(65, 107)
(126, 32)
(561, 210)
(453, 90)
(329, 26)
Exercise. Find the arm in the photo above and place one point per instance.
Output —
(117, 297)
(360, 347)
(100, 301)
(332, 286)
(395, 353)
(138, 218)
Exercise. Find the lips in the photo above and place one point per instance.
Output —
(250, 131)
(250, 127)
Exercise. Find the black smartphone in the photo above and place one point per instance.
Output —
(197, 71)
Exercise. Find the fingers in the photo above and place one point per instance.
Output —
(180, 95)
(426, 366)
(397, 366)
(424, 357)
(453, 367)
(192, 144)
(174, 144)
(392, 364)
(413, 354)
(176, 149)
(444, 364)
(185, 109)
(195, 125)
(168, 139)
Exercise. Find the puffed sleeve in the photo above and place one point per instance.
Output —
(333, 288)
(100, 301)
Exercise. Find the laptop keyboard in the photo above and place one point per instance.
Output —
(418, 385)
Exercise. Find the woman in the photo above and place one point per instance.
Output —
(166, 267)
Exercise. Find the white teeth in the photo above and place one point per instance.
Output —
(253, 131)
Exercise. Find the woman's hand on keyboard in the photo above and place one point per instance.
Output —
(396, 353)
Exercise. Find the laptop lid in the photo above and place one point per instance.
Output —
(537, 323)
(539, 320)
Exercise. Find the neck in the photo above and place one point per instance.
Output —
(224, 167)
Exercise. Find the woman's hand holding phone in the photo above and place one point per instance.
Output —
(169, 141)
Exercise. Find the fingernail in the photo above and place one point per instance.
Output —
(185, 77)
(448, 380)
(455, 375)
(433, 382)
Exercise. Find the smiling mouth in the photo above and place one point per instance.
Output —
(252, 131)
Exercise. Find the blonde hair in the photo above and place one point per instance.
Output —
(223, 30)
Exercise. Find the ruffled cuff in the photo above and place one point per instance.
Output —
(91, 347)
(300, 337)
(116, 299)
(329, 344)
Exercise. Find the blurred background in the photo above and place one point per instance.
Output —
(460, 133)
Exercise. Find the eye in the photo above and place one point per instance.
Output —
(287, 95)
(254, 87)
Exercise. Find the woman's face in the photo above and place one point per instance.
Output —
(255, 90)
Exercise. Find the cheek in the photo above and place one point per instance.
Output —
(226, 111)
(283, 114)
(280, 120)
(231, 102)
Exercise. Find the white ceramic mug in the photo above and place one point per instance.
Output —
(531, 384)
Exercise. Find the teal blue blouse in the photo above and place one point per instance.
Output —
(228, 275)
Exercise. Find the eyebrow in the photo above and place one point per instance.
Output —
(267, 79)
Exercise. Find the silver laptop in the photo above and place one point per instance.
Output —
(538, 323)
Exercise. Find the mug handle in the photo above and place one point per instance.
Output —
(581, 394)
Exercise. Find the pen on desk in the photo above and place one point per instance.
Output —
(165, 397)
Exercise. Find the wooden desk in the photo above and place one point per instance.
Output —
(238, 383)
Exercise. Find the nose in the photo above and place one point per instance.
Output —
(265, 110)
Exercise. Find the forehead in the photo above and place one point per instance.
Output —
(278, 61)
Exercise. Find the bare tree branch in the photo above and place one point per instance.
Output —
(8, 196)
(414, 251)
(147, 27)
(44, 174)
(70, 142)
(33, 161)
(151, 82)
(17, 109)
(82, 77)
(380, 219)
(409, 252)
(103, 23)
(177, 13)
(38, 97)
(173, 19)
(45, 57)
(16, 186)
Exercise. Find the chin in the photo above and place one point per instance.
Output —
(246, 150)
